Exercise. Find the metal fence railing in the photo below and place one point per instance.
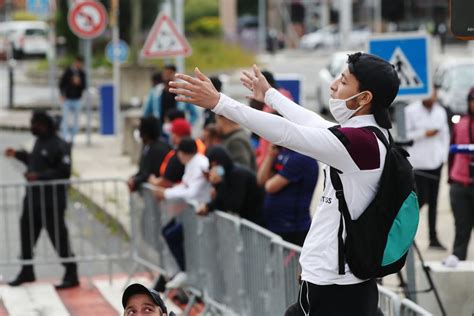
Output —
(233, 265)
(69, 213)
(409, 308)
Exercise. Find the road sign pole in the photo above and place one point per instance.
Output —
(345, 22)
(179, 4)
(52, 59)
(262, 25)
(116, 64)
(88, 99)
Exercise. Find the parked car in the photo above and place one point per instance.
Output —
(330, 37)
(27, 38)
(326, 76)
(453, 79)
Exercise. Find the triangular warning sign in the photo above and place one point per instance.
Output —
(164, 40)
(407, 75)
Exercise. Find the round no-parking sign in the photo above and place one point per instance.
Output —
(87, 19)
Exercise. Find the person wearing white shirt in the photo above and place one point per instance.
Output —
(359, 97)
(427, 126)
(195, 190)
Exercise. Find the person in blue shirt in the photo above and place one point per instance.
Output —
(152, 104)
(289, 179)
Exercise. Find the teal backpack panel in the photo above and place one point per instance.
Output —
(403, 230)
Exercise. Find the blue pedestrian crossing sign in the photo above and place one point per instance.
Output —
(410, 54)
(119, 52)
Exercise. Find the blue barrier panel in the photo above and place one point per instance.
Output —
(107, 109)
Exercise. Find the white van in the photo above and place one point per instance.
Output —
(26, 37)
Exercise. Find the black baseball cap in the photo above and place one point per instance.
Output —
(380, 78)
(137, 288)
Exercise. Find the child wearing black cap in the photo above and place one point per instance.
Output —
(360, 97)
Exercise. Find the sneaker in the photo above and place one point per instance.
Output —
(451, 261)
(177, 281)
(436, 245)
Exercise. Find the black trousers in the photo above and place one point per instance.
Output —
(427, 184)
(336, 300)
(462, 204)
(174, 236)
(33, 219)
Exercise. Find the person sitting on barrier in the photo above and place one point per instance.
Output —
(195, 190)
(153, 154)
(235, 187)
(139, 300)
(44, 205)
(461, 192)
(289, 179)
(360, 97)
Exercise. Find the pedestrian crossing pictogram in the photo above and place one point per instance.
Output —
(407, 75)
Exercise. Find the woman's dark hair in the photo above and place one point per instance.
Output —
(220, 155)
(156, 78)
(150, 126)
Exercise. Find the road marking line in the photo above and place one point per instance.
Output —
(32, 299)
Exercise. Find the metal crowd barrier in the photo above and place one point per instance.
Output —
(236, 266)
(409, 308)
(392, 305)
(39, 208)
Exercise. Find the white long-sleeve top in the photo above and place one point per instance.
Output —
(361, 161)
(427, 153)
(194, 187)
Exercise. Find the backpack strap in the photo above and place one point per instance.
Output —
(337, 185)
(345, 216)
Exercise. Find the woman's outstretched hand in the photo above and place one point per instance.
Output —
(198, 90)
(256, 83)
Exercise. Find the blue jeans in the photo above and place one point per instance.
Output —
(70, 107)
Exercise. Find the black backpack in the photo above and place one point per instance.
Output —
(378, 241)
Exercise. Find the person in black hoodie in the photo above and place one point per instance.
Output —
(153, 153)
(235, 186)
(45, 206)
(71, 87)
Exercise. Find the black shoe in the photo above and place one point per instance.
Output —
(67, 284)
(70, 278)
(24, 277)
(436, 245)
(160, 284)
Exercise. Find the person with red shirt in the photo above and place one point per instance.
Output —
(461, 177)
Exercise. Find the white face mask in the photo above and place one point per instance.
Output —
(339, 109)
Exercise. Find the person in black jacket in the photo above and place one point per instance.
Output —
(235, 186)
(71, 87)
(153, 153)
(44, 205)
